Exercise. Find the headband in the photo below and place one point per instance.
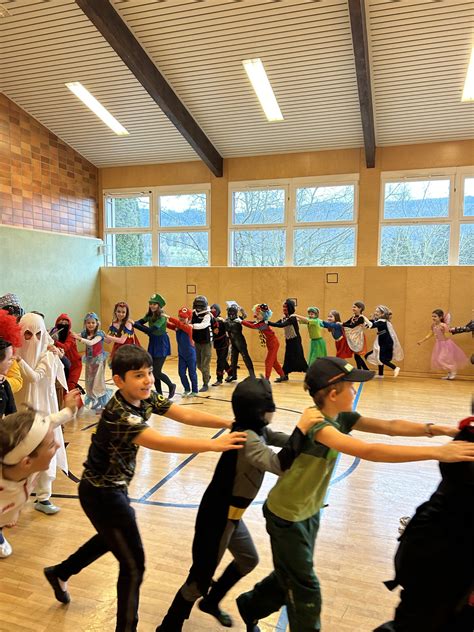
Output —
(35, 436)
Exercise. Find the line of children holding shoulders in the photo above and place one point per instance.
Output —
(292, 509)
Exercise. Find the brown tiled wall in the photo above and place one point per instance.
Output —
(44, 184)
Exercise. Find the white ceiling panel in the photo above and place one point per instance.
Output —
(419, 53)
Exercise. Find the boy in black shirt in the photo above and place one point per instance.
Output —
(109, 468)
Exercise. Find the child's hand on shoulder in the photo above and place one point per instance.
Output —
(231, 441)
(309, 418)
(76, 336)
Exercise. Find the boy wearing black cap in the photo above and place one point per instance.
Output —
(293, 505)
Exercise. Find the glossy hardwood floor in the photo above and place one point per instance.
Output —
(355, 545)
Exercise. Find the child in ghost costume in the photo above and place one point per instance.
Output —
(40, 369)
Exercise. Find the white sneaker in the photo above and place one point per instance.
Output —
(396, 371)
(451, 376)
(379, 377)
(5, 548)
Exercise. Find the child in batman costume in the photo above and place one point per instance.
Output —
(236, 482)
(434, 563)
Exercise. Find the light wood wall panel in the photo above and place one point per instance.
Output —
(411, 293)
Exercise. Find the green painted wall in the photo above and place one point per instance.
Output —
(51, 272)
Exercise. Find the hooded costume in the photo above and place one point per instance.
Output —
(202, 336)
(40, 369)
(236, 481)
(268, 338)
(63, 339)
(434, 563)
(221, 344)
(294, 360)
(233, 326)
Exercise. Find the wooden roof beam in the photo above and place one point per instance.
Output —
(115, 31)
(362, 63)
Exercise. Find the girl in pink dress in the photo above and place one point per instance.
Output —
(446, 356)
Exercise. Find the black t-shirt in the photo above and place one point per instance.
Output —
(7, 401)
(112, 454)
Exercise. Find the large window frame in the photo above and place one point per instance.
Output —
(457, 177)
(290, 224)
(155, 229)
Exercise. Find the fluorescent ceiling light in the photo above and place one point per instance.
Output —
(468, 92)
(86, 97)
(259, 80)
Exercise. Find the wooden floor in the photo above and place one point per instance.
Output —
(354, 549)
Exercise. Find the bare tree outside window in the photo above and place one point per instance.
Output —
(325, 204)
(258, 248)
(333, 246)
(184, 248)
(260, 206)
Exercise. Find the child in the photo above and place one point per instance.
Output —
(41, 368)
(262, 313)
(317, 347)
(92, 336)
(10, 308)
(121, 328)
(386, 346)
(233, 325)
(65, 340)
(434, 561)
(201, 322)
(294, 355)
(110, 466)
(186, 351)
(153, 324)
(221, 344)
(10, 337)
(27, 446)
(236, 482)
(293, 505)
(334, 324)
(446, 355)
(354, 331)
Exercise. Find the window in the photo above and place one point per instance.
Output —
(300, 222)
(161, 227)
(427, 220)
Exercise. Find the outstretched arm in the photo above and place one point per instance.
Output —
(402, 428)
(380, 452)
(427, 337)
(153, 440)
(194, 417)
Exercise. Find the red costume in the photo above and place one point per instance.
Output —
(63, 339)
(269, 339)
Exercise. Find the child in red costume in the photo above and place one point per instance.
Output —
(262, 313)
(186, 350)
(63, 339)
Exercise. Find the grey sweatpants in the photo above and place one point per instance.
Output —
(203, 360)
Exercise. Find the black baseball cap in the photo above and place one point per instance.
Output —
(325, 372)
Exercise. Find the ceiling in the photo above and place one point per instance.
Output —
(419, 56)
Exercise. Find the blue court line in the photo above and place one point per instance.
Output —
(282, 624)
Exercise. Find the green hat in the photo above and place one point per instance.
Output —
(313, 309)
(157, 298)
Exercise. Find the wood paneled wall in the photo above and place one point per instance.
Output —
(412, 293)
(44, 183)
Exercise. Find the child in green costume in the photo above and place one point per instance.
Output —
(317, 347)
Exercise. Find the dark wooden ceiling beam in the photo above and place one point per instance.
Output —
(109, 23)
(362, 63)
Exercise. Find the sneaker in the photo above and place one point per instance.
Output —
(186, 394)
(282, 378)
(378, 377)
(396, 371)
(194, 394)
(5, 548)
(46, 507)
(231, 378)
(451, 376)
(205, 605)
(204, 388)
(217, 383)
(251, 624)
(61, 595)
(172, 391)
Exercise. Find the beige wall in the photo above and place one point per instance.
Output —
(411, 292)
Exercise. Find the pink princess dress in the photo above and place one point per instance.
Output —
(446, 356)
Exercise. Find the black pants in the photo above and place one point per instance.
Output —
(113, 518)
(384, 362)
(360, 362)
(245, 357)
(222, 362)
(159, 375)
